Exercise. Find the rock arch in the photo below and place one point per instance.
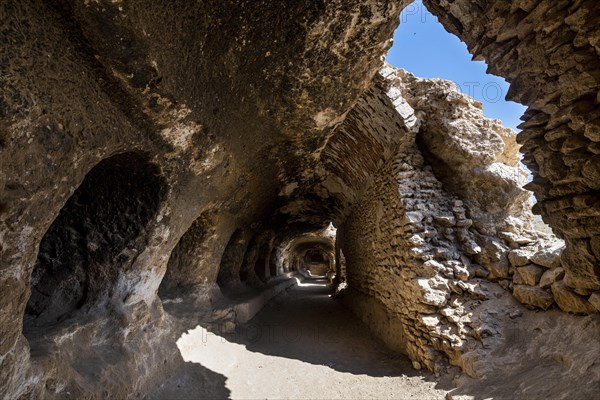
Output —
(185, 268)
(248, 275)
(95, 237)
(231, 261)
(278, 117)
(548, 53)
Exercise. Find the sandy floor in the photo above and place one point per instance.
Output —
(303, 345)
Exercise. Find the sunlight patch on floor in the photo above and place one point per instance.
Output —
(250, 374)
(300, 283)
(256, 375)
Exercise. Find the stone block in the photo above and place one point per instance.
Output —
(453, 285)
(492, 251)
(474, 290)
(549, 257)
(595, 300)
(431, 296)
(528, 275)
(478, 271)
(445, 220)
(430, 321)
(569, 301)
(533, 296)
(470, 247)
(551, 276)
(413, 217)
(513, 239)
(499, 269)
(461, 273)
(520, 257)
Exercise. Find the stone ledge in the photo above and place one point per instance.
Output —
(246, 310)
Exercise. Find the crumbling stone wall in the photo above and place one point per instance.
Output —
(483, 171)
(401, 251)
(262, 116)
(549, 52)
(419, 258)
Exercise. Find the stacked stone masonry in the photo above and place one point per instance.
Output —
(254, 125)
(424, 255)
(550, 53)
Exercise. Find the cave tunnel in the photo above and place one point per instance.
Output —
(315, 257)
(282, 214)
(93, 239)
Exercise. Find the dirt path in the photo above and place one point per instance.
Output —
(303, 345)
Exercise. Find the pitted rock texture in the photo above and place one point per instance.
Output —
(428, 290)
(94, 238)
(162, 163)
(550, 53)
(209, 93)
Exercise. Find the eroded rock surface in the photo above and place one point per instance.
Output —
(165, 164)
(440, 288)
(549, 53)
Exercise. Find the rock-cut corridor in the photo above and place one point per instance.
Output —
(324, 352)
(241, 199)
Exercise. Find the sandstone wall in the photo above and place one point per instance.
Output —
(550, 53)
(264, 117)
(207, 96)
(420, 259)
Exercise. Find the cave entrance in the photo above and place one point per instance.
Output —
(260, 268)
(314, 257)
(311, 251)
(317, 262)
(96, 235)
(186, 267)
(437, 53)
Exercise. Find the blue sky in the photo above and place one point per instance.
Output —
(423, 47)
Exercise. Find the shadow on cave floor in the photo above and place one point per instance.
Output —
(245, 293)
(305, 323)
(304, 344)
(191, 381)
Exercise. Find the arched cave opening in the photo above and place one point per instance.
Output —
(96, 235)
(273, 270)
(185, 267)
(311, 251)
(261, 268)
(247, 272)
(228, 278)
(317, 262)
(314, 256)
